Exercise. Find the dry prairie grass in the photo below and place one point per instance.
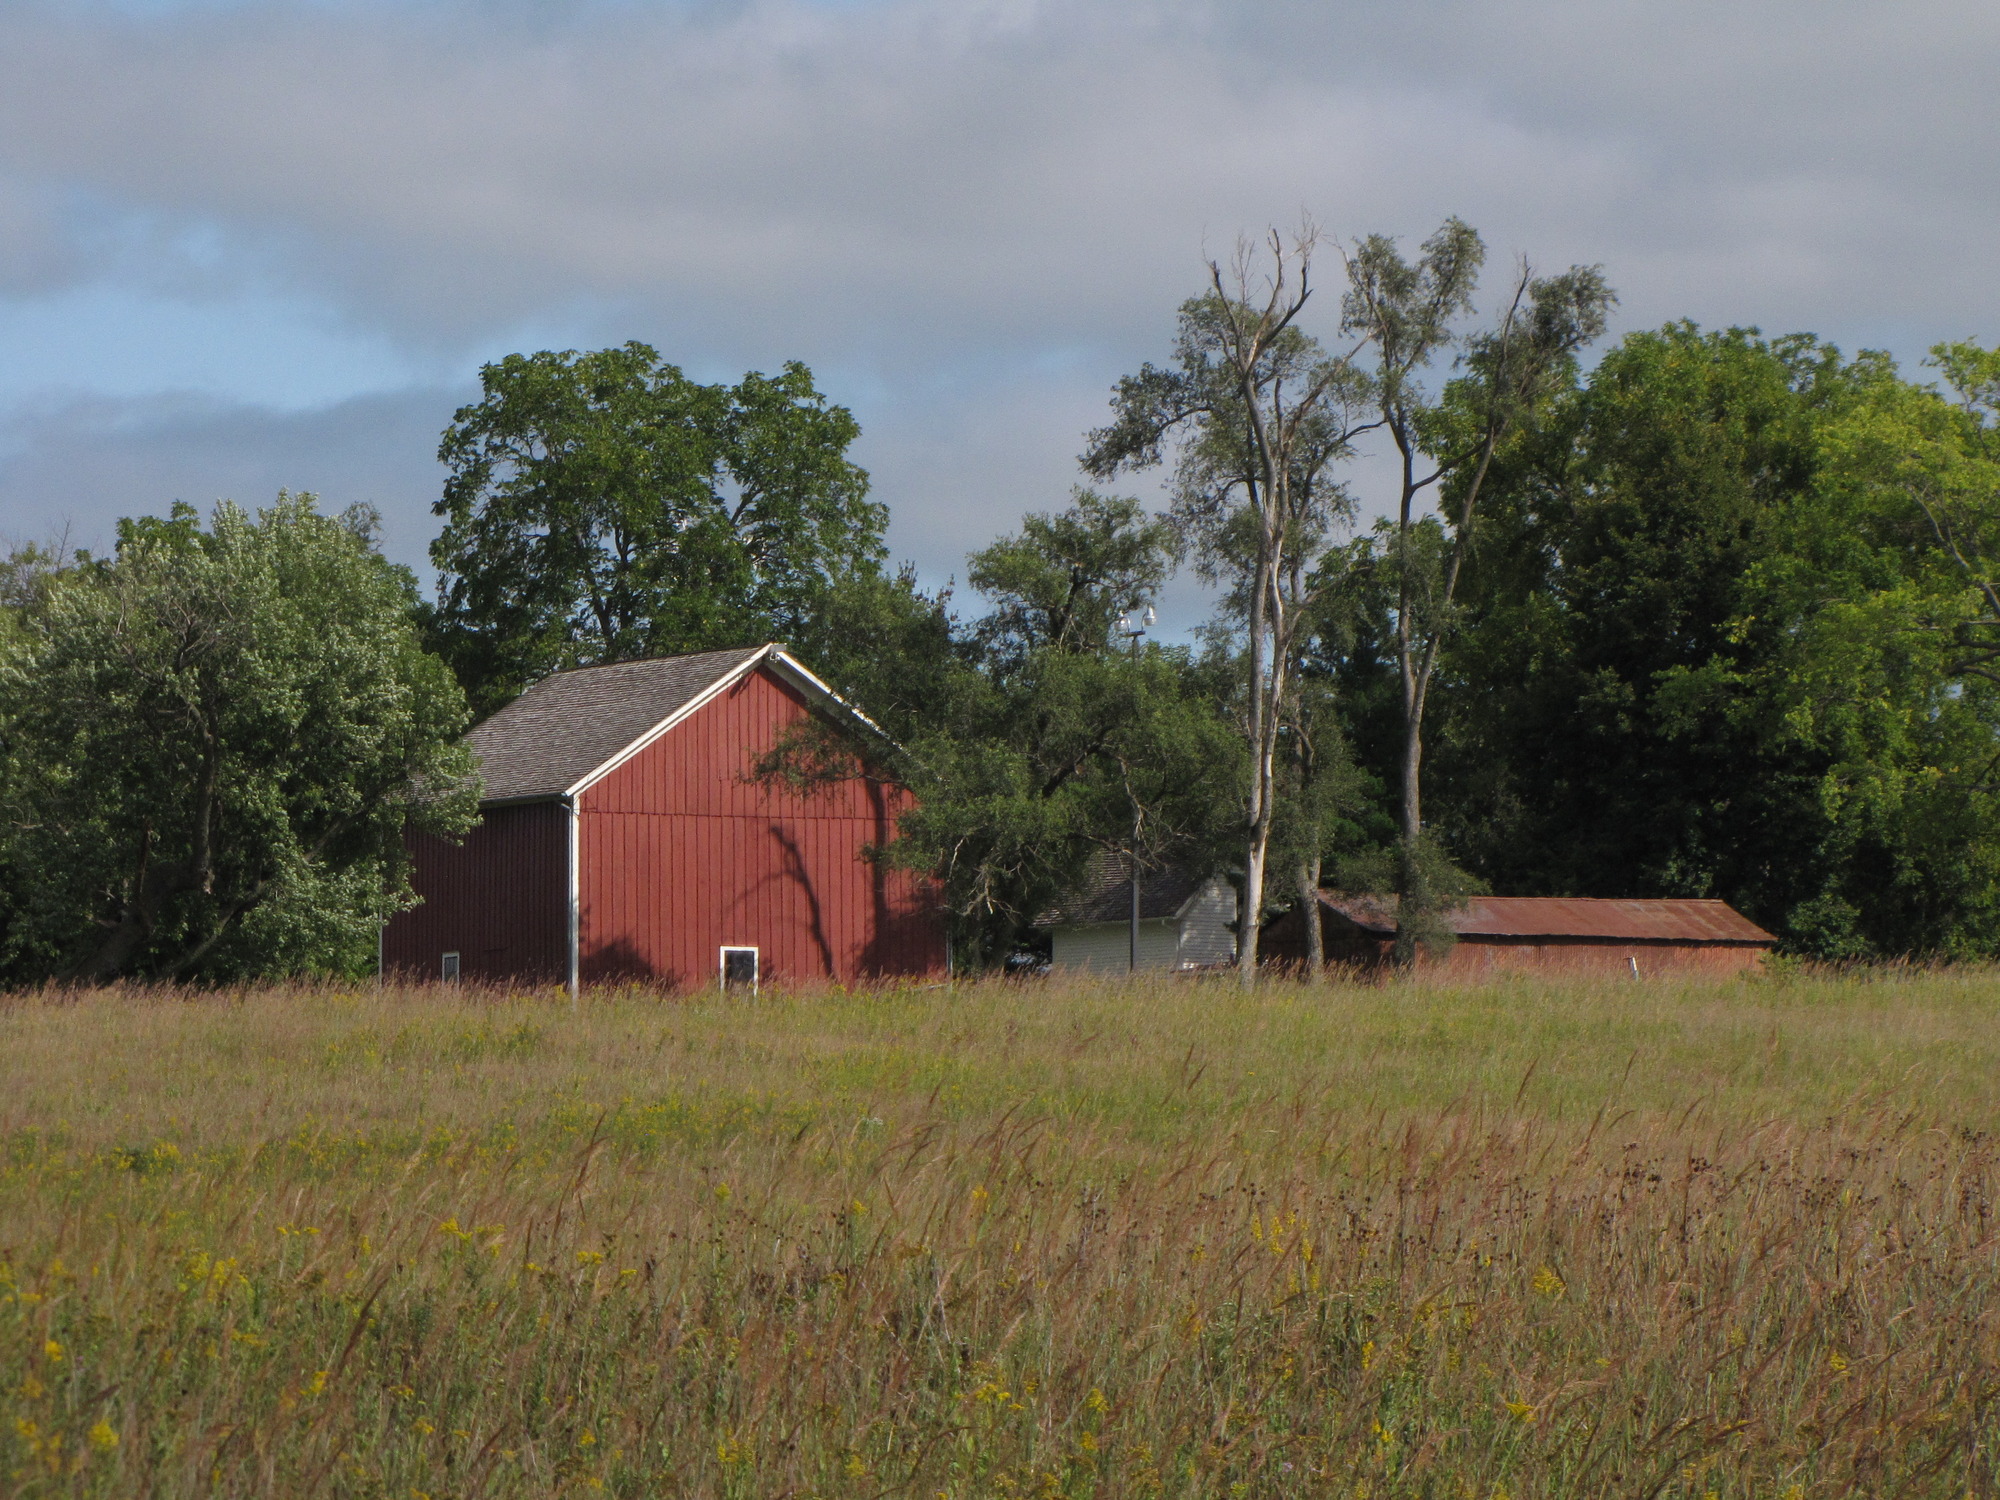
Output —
(1055, 1239)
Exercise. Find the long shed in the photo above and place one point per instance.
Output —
(623, 835)
(1569, 934)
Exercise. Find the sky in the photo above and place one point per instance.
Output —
(252, 245)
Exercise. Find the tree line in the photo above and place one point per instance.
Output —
(1711, 614)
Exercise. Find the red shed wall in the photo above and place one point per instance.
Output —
(500, 900)
(680, 854)
(1283, 943)
(1474, 958)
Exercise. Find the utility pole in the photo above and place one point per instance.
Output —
(1132, 633)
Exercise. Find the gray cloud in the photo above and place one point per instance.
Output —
(917, 173)
(77, 466)
(968, 217)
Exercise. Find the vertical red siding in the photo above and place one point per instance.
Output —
(680, 854)
(500, 900)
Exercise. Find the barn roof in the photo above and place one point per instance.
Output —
(1679, 920)
(1107, 894)
(570, 728)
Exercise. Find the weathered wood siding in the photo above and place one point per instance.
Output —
(1472, 957)
(681, 853)
(500, 900)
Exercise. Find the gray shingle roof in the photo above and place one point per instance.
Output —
(566, 726)
(1107, 893)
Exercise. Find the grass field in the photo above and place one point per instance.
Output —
(1006, 1240)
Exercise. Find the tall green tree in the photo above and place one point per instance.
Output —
(602, 506)
(1051, 738)
(1262, 414)
(213, 742)
(1409, 315)
(1718, 641)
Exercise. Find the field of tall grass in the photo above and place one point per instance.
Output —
(1006, 1239)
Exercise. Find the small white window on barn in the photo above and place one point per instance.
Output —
(739, 969)
(450, 967)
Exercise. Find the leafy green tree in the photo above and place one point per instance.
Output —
(1724, 634)
(1066, 580)
(1049, 739)
(213, 741)
(1320, 799)
(602, 506)
(1408, 315)
(1260, 415)
(886, 646)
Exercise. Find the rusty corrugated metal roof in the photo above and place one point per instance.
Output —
(1680, 920)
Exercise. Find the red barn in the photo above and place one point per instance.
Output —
(624, 836)
(1565, 934)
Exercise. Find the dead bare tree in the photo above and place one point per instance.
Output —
(1263, 412)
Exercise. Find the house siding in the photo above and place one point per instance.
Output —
(1197, 937)
(499, 900)
(1207, 931)
(681, 852)
(1106, 947)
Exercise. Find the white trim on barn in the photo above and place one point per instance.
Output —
(686, 711)
(572, 839)
(774, 656)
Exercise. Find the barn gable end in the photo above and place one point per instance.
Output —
(681, 853)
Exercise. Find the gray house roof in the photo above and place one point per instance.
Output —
(570, 728)
(1107, 894)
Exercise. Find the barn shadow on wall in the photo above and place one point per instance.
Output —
(904, 937)
(795, 871)
(621, 962)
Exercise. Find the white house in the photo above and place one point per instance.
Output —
(1185, 922)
